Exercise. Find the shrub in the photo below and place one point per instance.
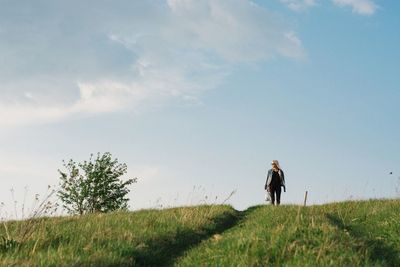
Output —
(94, 185)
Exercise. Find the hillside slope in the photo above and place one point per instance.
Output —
(143, 238)
(365, 233)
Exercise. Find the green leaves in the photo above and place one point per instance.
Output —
(94, 185)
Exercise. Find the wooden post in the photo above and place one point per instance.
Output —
(305, 198)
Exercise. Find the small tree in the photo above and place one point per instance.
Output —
(94, 185)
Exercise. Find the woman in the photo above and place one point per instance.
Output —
(275, 179)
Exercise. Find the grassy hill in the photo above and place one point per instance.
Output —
(365, 233)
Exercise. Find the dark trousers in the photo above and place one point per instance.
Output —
(275, 191)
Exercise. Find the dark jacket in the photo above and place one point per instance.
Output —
(269, 179)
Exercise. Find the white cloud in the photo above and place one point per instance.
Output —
(236, 31)
(21, 114)
(106, 96)
(299, 5)
(127, 56)
(95, 98)
(363, 7)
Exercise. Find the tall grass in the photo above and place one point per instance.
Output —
(30, 221)
(354, 233)
(144, 238)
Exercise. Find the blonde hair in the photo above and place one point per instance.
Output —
(276, 163)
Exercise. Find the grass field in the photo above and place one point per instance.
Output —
(363, 233)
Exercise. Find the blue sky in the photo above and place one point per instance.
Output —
(197, 97)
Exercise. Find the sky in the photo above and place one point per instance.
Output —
(197, 97)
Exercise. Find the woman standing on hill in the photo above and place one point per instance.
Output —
(275, 179)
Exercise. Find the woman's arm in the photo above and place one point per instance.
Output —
(267, 181)
(283, 181)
